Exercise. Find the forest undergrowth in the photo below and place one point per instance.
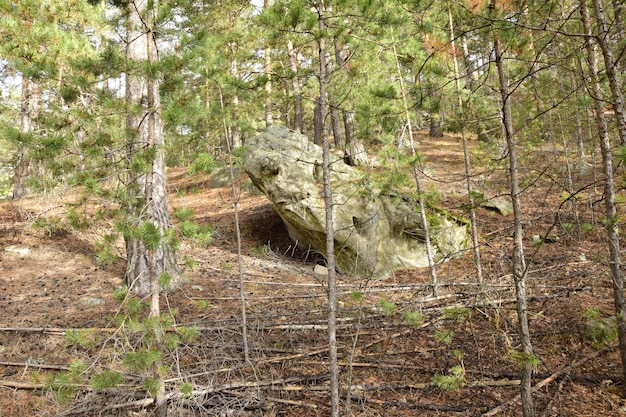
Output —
(67, 332)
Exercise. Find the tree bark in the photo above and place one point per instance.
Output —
(147, 190)
(352, 145)
(267, 70)
(298, 113)
(518, 262)
(435, 126)
(23, 164)
(234, 129)
(466, 155)
(330, 233)
(612, 229)
(611, 70)
(416, 177)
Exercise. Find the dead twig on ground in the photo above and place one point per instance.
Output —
(551, 378)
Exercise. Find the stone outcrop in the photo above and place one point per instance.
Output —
(376, 232)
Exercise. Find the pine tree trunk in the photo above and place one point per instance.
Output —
(147, 191)
(235, 130)
(330, 233)
(611, 70)
(435, 126)
(356, 155)
(354, 148)
(618, 8)
(466, 157)
(612, 229)
(298, 112)
(518, 262)
(339, 138)
(318, 122)
(267, 70)
(22, 167)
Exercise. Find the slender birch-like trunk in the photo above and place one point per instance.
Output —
(330, 233)
(466, 157)
(612, 229)
(518, 261)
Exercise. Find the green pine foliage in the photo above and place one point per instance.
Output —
(388, 307)
(413, 318)
(452, 382)
(141, 361)
(105, 380)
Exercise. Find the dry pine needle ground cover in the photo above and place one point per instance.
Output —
(455, 361)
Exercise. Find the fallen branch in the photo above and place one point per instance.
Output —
(20, 385)
(421, 406)
(291, 402)
(402, 333)
(59, 331)
(548, 380)
(35, 365)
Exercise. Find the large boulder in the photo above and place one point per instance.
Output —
(376, 232)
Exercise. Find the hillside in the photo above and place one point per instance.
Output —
(390, 363)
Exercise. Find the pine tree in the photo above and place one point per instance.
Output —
(150, 254)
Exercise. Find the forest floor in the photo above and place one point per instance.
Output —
(389, 365)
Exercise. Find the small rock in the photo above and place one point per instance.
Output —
(499, 205)
(35, 361)
(196, 287)
(93, 301)
(18, 250)
(320, 270)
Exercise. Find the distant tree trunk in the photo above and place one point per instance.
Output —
(27, 112)
(518, 262)
(319, 122)
(339, 138)
(298, 112)
(610, 64)
(352, 145)
(466, 155)
(234, 130)
(470, 75)
(612, 228)
(267, 69)
(149, 255)
(416, 177)
(471, 78)
(435, 126)
(356, 154)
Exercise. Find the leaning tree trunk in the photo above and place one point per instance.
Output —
(519, 264)
(612, 229)
(611, 70)
(150, 256)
